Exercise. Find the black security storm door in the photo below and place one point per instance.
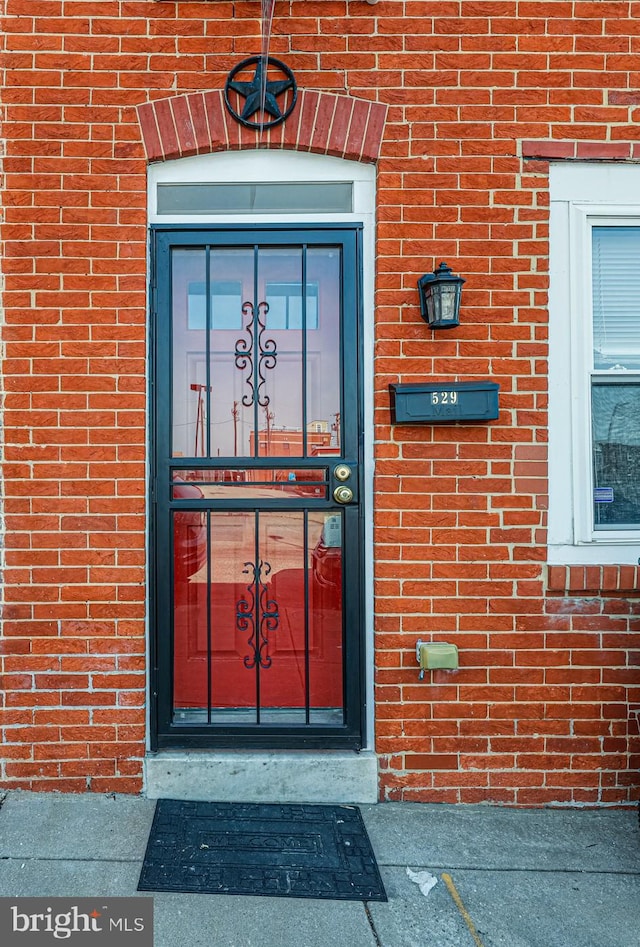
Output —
(257, 487)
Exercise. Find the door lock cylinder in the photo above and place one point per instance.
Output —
(343, 494)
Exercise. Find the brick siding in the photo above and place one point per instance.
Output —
(480, 96)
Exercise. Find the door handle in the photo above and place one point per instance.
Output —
(343, 494)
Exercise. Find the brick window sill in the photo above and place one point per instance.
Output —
(593, 579)
(560, 149)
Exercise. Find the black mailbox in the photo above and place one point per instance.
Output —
(444, 402)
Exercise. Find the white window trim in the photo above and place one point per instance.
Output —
(258, 166)
(582, 195)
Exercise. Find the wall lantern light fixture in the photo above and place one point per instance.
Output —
(440, 298)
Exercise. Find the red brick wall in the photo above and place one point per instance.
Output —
(539, 710)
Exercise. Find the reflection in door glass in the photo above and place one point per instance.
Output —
(261, 484)
(190, 628)
(289, 307)
(281, 409)
(188, 269)
(304, 681)
(225, 305)
(209, 417)
(256, 359)
(300, 403)
(258, 618)
(325, 593)
(232, 416)
(323, 354)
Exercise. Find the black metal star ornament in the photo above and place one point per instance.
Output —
(261, 93)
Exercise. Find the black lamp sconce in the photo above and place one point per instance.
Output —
(440, 293)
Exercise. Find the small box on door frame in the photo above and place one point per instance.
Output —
(444, 402)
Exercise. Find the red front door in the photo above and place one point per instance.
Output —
(258, 473)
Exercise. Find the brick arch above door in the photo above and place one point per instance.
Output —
(323, 123)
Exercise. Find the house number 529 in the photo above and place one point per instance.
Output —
(444, 397)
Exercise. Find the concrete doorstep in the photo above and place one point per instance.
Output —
(503, 877)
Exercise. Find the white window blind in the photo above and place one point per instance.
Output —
(616, 297)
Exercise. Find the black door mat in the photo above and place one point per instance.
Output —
(284, 851)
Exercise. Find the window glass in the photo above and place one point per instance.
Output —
(226, 305)
(615, 404)
(615, 412)
(285, 305)
(616, 297)
(285, 198)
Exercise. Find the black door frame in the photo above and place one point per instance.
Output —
(164, 733)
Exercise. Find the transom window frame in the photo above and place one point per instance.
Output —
(583, 196)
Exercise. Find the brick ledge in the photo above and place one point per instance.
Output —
(610, 578)
(553, 150)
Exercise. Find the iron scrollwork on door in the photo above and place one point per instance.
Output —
(267, 618)
(257, 362)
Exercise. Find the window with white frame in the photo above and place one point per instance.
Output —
(615, 375)
(594, 370)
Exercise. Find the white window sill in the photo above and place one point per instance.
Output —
(622, 552)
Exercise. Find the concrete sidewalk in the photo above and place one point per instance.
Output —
(525, 878)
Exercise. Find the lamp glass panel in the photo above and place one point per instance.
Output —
(448, 295)
(443, 303)
(429, 302)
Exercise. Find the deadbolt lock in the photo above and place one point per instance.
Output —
(342, 472)
(343, 495)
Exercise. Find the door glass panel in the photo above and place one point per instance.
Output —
(258, 617)
(233, 617)
(299, 406)
(272, 385)
(231, 270)
(284, 672)
(190, 630)
(323, 354)
(325, 633)
(188, 269)
(280, 401)
(214, 619)
(251, 484)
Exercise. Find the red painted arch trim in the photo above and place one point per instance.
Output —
(324, 123)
